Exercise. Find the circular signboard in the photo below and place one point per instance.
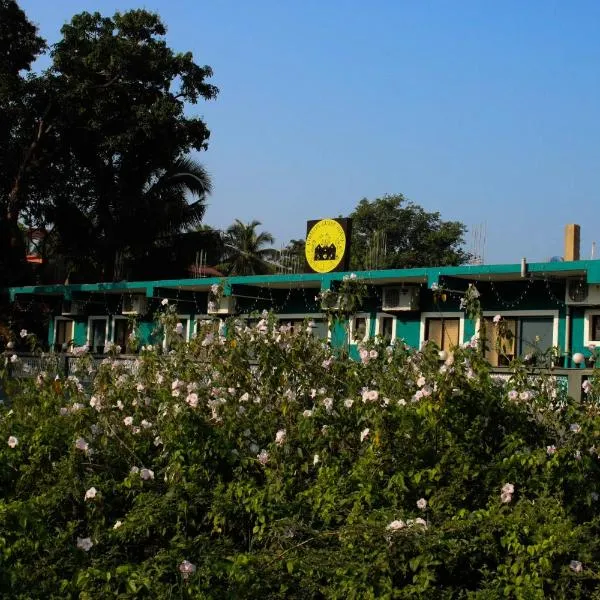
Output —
(325, 245)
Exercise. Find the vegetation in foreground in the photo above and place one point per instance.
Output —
(260, 464)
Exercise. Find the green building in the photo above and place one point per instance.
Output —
(552, 304)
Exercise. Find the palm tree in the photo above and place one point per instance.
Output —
(147, 210)
(245, 252)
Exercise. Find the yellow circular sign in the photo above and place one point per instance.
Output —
(325, 246)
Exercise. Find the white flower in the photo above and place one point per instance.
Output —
(84, 544)
(10, 345)
(12, 441)
(179, 329)
(576, 566)
(328, 404)
(263, 457)
(348, 402)
(402, 402)
(91, 493)
(146, 424)
(586, 386)
(164, 301)
(14, 358)
(422, 503)
(280, 437)
(214, 289)
(497, 319)
(316, 459)
(134, 470)
(146, 474)
(117, 524)
(23, 333)
(526, 395)
(513, 395)
(307, 413)
(373, 354)
(419, 521)
(158, 441)
(186, 568)
(128, 421)
(421, 381)
(364, 434)
(396, 525)
(245, 397)
(81, 444)
(551, 450)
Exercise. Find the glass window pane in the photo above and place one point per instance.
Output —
(595, 333)
(387, 327)
(536, 332)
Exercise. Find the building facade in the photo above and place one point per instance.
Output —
(554, 304)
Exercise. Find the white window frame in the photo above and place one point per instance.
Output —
(91, 318)
(587, 327)
(351, 326)
(69, 346)
(205, 317)
(379, 322)
(186, 330)
(444, 315)
(113, 328)
(525, 313)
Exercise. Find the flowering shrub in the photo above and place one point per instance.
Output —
(251, 462)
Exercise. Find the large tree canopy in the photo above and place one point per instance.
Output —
(109, 129)
(392, 232)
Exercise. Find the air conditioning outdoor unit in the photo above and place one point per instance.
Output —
(400, 298)
(580, 293)
(72, 308)
(134, 305)
(224, 306)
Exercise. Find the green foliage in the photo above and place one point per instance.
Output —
(278, 470)
(391, 232)
(98, 145)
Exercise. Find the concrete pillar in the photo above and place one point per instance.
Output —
(572, 234)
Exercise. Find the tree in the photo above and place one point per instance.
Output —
(391, 232)
(245, 252)
(110, 122)
(19, 47)
(124, 234)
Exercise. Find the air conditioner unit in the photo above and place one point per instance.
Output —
(580, 293)
(224, 306)
(134, 305)
(400, 298)
(72, 308)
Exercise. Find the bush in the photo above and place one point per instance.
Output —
(260, 464)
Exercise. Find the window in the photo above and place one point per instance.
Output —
(359, 328)
(97, 333)
(320, 329)
(385, 327)
(444, 332)
(592, 328)
(529, 333)
(180, 332)
(121, 332)
(63, 334)
(595, 333)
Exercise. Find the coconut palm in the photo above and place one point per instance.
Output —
(245, 251)
(145, 210)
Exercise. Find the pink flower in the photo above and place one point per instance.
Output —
(508, 488)
(82, 445)
(364, 434)
(146, 474)
(497, 319)
(586, 386)
(551, 450)
(263, 457)
(505, 498)
(422, 503)
(513, 395)
(12, 441)
(128, 421)
(396, 525)
(192, 399)
(186, 568)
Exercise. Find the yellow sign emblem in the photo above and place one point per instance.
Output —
(325, 246)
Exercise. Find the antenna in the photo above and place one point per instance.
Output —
(478, 243)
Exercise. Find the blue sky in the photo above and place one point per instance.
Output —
(487, 112)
